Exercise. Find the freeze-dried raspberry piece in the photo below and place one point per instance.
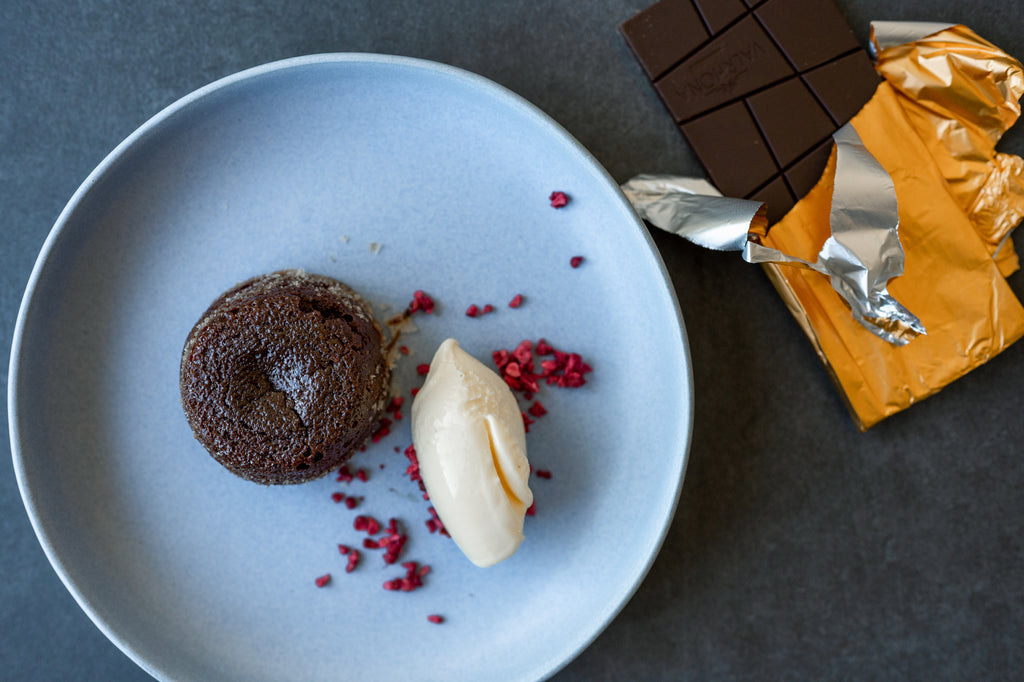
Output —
(383, 429)
(392, 542)
(413, 578)
(434, 523)
(420, 301)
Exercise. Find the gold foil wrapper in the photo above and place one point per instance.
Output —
(933, 125)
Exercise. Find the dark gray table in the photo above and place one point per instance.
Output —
(801, 548)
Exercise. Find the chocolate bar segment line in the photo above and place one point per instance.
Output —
(741, 60)
(717, 14)
(791, 118)
(809, 32)
(744, 144)
(664, 34)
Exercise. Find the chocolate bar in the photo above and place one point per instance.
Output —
(756, 87)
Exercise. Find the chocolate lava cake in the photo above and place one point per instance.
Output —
(284, 377)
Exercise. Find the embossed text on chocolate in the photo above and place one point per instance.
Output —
(719, 72)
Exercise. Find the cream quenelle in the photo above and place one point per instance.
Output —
(471, 444)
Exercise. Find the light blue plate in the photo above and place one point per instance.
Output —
(393, 175)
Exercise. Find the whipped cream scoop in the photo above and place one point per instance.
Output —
(471, 445)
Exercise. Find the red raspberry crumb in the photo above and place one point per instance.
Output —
(420, 301)
(472, 311)
(369, 543)
(434, 523)
(487, 309)
(413, 471)
(524, 354)
(575, 261)
(395, 403)
(543, 473)
(434, 618)
(344, 475)
(532, 509)
(537, 410)
(558, 199)
(392, 543)
(383, 429)
(344, 549)
(337, 497)
(414, 391)
(366, 523)
(404, 350)
(412, 580)
(353, 561)
(565, 370)
(351, 502)
(422, 369)
(516, 301)
(526, 422)
(323, 580)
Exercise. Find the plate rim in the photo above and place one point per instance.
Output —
(150, 127)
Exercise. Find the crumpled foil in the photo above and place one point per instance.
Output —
(695, 210)
(887, 34)
(860, 257)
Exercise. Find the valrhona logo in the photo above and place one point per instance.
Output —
(718, 72)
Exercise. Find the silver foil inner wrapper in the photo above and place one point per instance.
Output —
(886, 34)
(860, 257)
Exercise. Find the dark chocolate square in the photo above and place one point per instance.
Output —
(805, 173)
(663, 34)
(810, 32)
(740, 60)
(777, 197)
(742, 142)
(845, 85)
(718, 14)
(791, 119)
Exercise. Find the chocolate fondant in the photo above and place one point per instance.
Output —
(284, 377)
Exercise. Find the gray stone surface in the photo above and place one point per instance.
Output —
(801, 548)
